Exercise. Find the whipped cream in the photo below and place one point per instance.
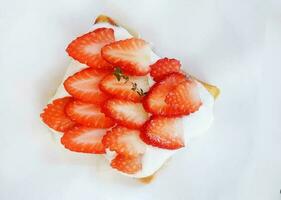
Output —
(193, 124)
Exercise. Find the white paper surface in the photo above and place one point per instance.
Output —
(232, 44)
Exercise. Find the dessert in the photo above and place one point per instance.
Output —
(119, 99)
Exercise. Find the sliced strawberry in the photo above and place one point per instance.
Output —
(184, 98)
(55, 117)
(163, 132)
(163, 67)
(131, 55)
(84, 139)
(84, 85)
(124, 141)
(87, 48)
(88, 114)
(128, 165)
(154, 101)
(123, 89)
(126, 113)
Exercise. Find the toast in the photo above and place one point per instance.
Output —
(97, 112)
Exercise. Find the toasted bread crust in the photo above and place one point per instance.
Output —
(147, 179)
(213, 90)
(105, 19)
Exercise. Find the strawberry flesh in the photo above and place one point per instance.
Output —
(126, 113)
(84, 85)
(88, 114)
(124, 141)
(163, 67)
(122, 89)
(55, 117)
(131, 55)
(127, 164)
(162, 132)
(84, 139)
(185, 98)
(154, 101)
(87, 48)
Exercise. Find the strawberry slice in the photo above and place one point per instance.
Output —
(126, 113)
(131, 55)
(162, 132)
(154, 102)
(84, 85)
(122, 89)
(163, 67)
(87, 48)
(128, 165)
(84, 139)
(54, 116)
(185, 97)
(124, 141)
(88, 114)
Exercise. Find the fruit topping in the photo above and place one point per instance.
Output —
(184, 98)
(124, 141)
(84, 85)
(163, 67)
(131, 55)
(163, 132)
(126, 113)
(127, 164)
(88, 114)
(87, 48)
(55, 117)
(131, 88)
(84, 139)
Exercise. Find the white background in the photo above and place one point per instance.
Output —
(235, 45)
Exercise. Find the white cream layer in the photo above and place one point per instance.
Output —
(193, 124)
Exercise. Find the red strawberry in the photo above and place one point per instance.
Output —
(88, 114)
(164, 67)
(128, 165)
(154, 101)
(84, 139)
(131, 55)
(123, 89)
(126, 113)
(163, 132)
(55, 117)
(87, 48)
(84, 85)
(185, 97)
(124, 141)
